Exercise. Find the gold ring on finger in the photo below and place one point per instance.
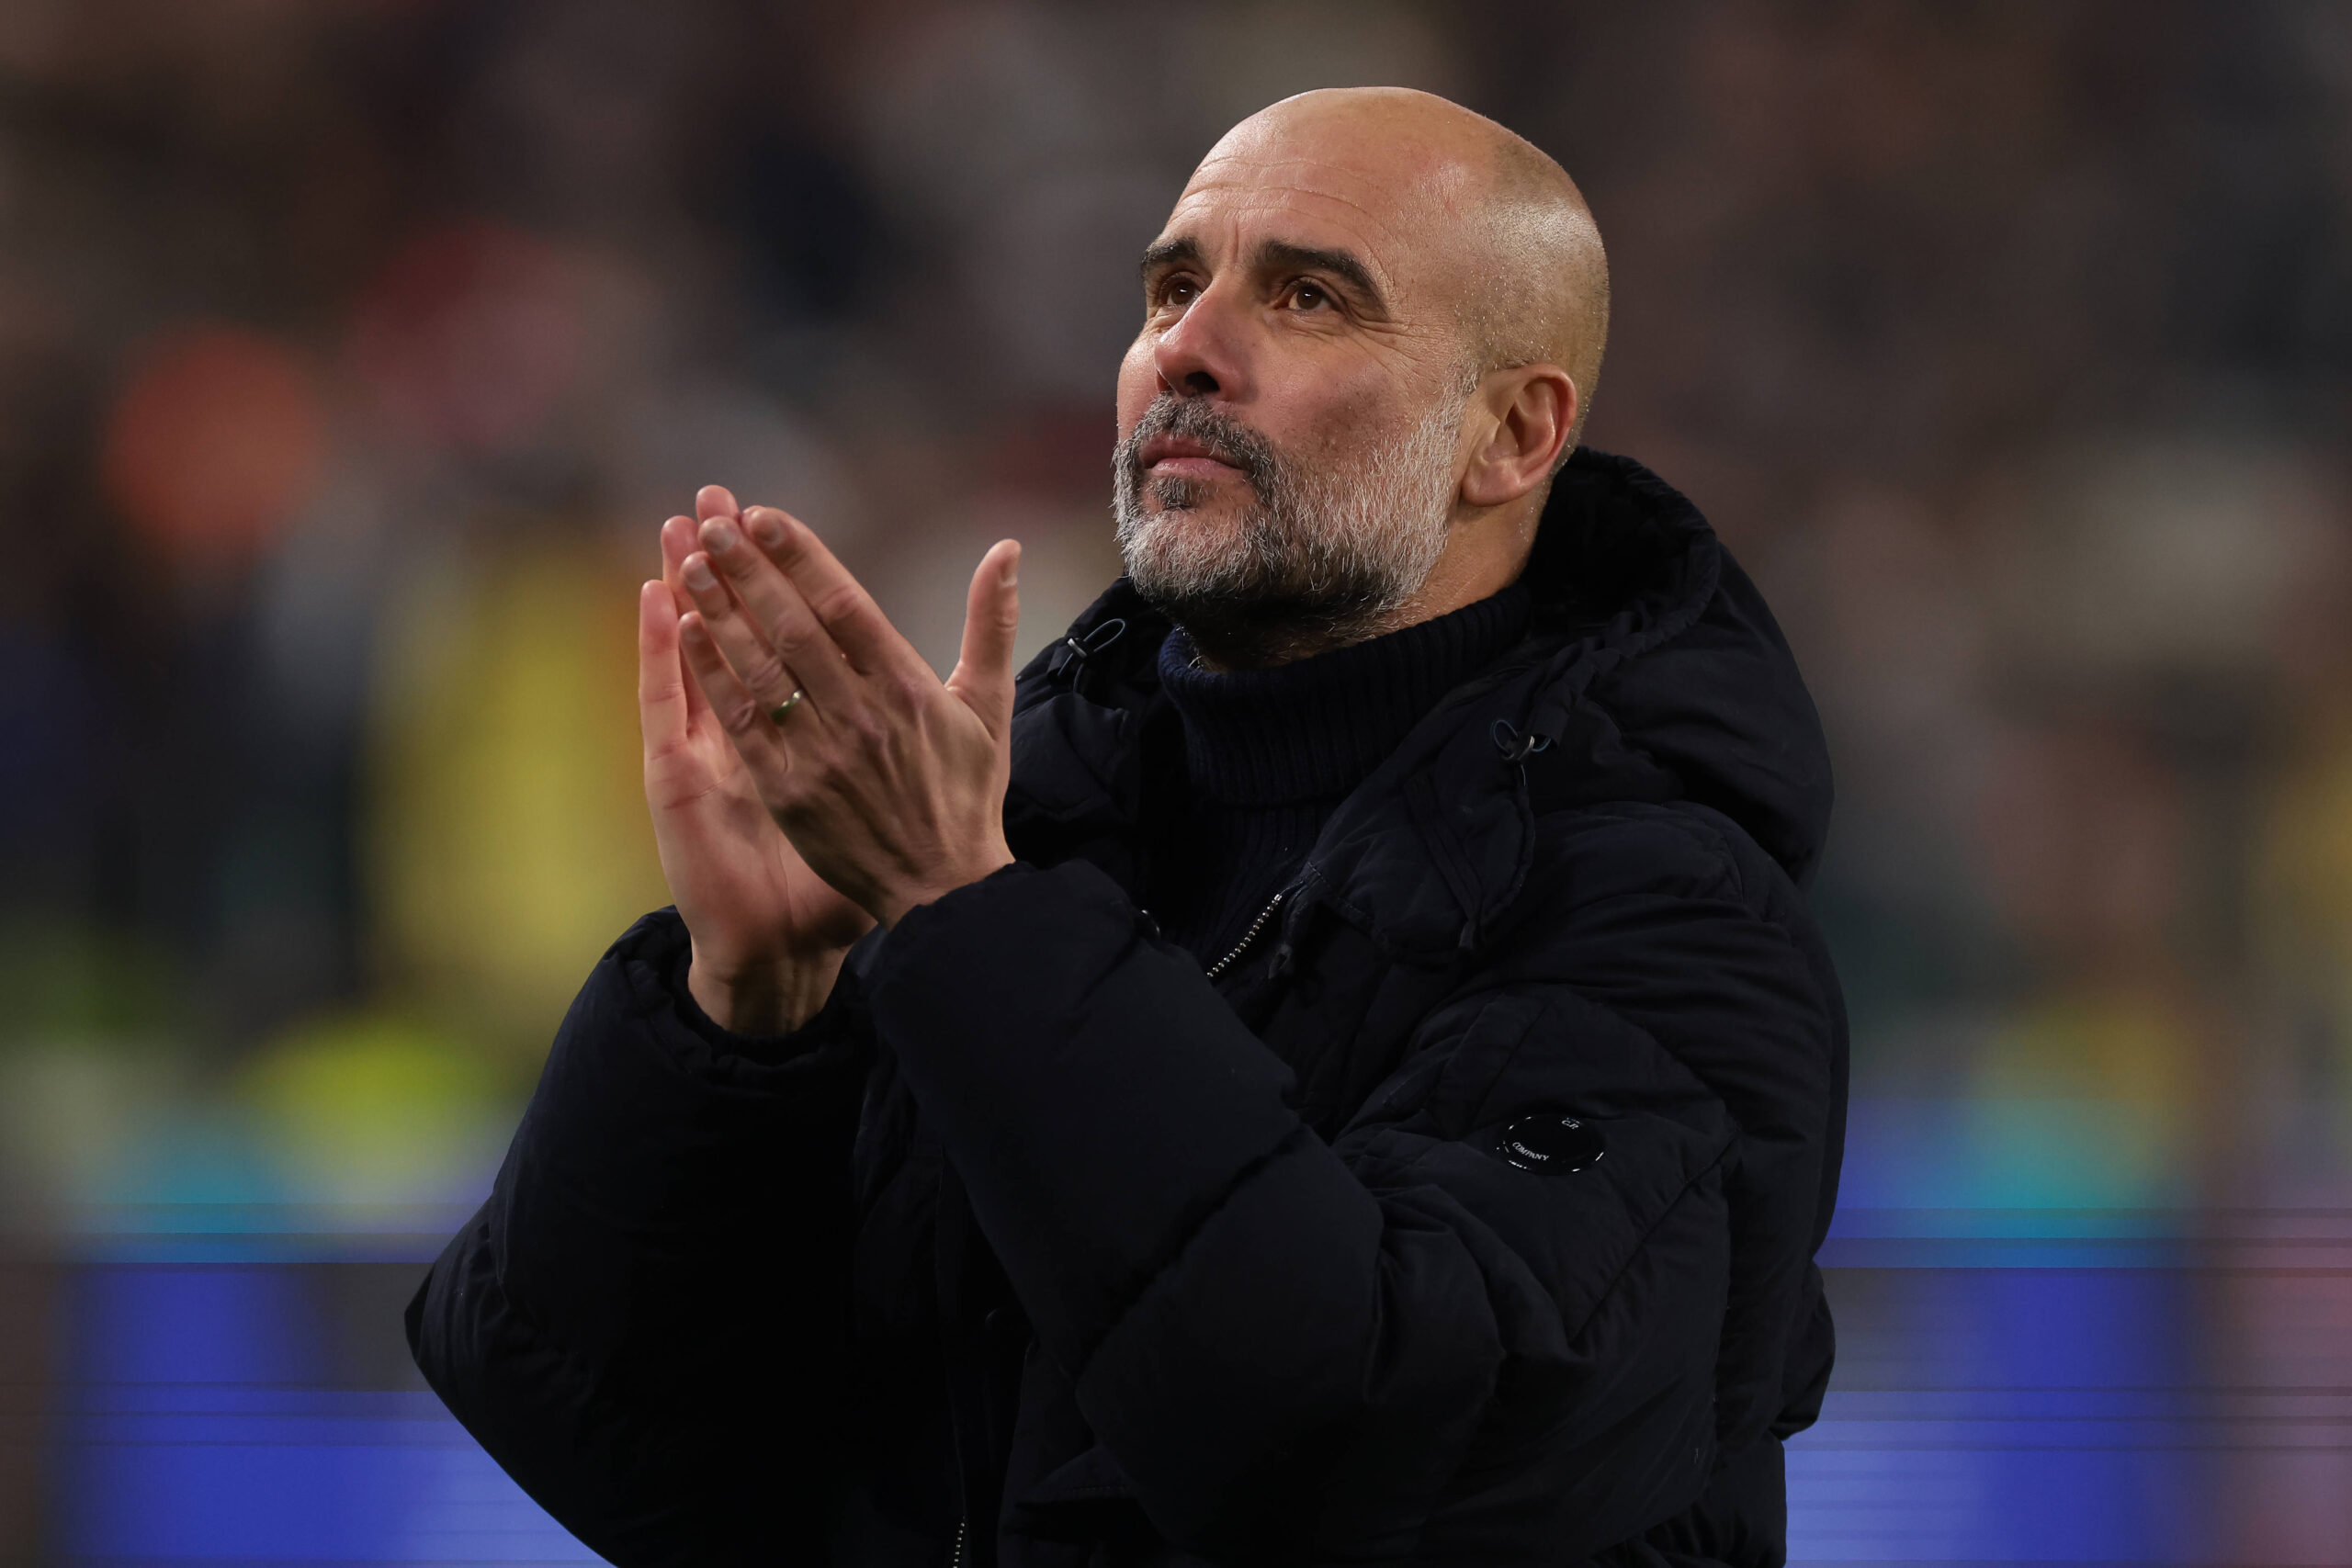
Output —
(775, 714)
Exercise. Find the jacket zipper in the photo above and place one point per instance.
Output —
(1222, 965)
(957, 1561)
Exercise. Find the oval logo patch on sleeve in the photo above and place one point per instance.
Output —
(1550, 1143)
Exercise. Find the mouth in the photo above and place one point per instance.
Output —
(1180, 456)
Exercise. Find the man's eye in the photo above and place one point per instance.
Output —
(1309, 296)
(1177, 291)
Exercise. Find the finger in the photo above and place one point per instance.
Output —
(841, 603)
(714, 501)
(983, 673)
(779, 612)
(677, 544)
(758, 665)
(662, 701)
(739, 711)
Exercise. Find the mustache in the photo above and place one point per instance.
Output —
(1194, 420)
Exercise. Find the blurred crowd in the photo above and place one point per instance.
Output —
(352, 352)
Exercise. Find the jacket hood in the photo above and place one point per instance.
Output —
(1672, 659)
(1651, 672)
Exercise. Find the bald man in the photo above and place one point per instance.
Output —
(1329, 1064)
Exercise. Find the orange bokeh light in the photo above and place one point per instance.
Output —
(215, 440)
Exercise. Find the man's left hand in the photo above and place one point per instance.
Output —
(889, 782)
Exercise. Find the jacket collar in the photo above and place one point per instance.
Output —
(1651, 671)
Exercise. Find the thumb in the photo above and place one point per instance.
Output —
(983, 674)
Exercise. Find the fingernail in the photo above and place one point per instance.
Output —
(698, 573)
(718, 535)
(767, 528)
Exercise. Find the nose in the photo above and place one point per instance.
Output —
(1203, 354)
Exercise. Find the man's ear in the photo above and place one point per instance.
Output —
(1535, 407)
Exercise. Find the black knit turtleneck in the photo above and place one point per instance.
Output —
(1271, 752)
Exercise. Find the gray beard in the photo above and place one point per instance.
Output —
(1321, 558)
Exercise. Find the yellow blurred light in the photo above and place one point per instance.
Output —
(375, 1108)
(2090, 1098)
(508, 839)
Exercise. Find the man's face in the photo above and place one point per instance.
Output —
(1289, 414)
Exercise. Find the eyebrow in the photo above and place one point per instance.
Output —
(1281, 255)
(1276, 256)
(1165, 254)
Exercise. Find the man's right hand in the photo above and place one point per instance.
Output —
(768, 933)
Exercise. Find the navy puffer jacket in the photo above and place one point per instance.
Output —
(1464, 1215)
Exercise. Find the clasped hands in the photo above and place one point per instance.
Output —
(785, 839)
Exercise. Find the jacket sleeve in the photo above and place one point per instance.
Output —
(1393, 1344)
(646, 1323)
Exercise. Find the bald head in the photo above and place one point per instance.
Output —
(1505, 228)
(1372, 327)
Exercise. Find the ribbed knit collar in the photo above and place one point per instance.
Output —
(1313, 729)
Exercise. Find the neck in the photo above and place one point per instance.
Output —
(1314, 726)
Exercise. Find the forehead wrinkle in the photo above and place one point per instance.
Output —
(1401, 207)
(1429, 186)
(1268, 192)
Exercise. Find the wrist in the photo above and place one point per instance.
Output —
(894, 908)
(762, 999)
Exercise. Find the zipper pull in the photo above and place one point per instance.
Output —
(1074, 652)
(1517, 747)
